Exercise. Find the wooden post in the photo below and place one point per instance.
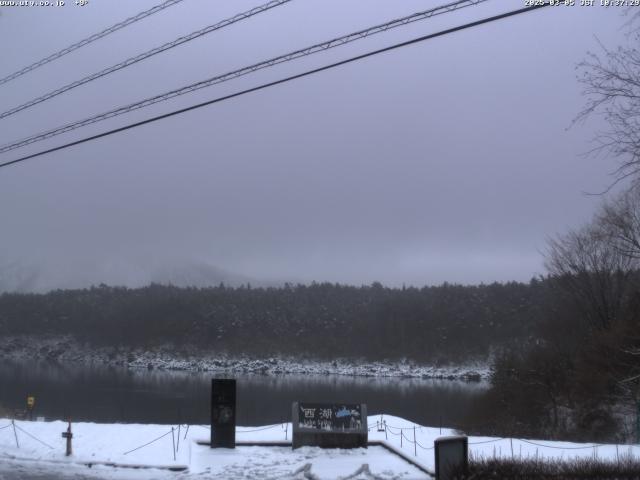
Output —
(68, 435)
(385, 431)
(511, 441)
(178, 444)
(401, 435)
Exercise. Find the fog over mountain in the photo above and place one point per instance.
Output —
(42, 275)
(450, 160)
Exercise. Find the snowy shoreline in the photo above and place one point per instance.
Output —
(104, 449)
(66, 349)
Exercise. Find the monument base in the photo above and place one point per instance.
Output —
(329, 425)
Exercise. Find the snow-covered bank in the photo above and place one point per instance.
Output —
(68, 349)
(40, 443)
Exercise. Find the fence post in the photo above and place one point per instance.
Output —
(178, 444)
(511, 440)
(415, 444)
(401, 435)
(385, 431)
(69, 436)
(14, 432)
(173, 440)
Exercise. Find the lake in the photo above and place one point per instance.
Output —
(115, 394)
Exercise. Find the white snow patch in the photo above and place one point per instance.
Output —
(69, 350)
(100, 444)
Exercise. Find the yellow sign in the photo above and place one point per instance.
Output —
(31, 401)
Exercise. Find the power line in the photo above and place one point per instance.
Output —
(283, 80)
(88, 40)
(143, 56)
(244, 71)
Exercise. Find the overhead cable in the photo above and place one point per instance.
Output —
(283, 80)
(319, 47)
(143, 56)
(88, 40)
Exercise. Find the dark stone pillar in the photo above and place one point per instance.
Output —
(223, 413)
(451, 455)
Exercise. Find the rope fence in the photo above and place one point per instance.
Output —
(380, 426)
(149, 443)
(259, 429)
(423, 447)
(562, 448)
(400, 432)
(32, 436)
(487, 441)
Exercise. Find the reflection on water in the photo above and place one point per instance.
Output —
(111, 394)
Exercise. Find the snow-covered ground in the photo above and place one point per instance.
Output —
(41, 451)
(67, 349)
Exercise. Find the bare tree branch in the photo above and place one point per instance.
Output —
(611, 85)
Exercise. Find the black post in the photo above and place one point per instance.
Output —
(69, 436)
(451, 456)
(223, 413)
(13, 423)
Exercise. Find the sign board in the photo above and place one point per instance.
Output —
(339, 417)
(223, 413)
(31, 402)
(451, 456)
(329, 425)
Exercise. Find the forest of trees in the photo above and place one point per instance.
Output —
(435, 324)
(582, 375)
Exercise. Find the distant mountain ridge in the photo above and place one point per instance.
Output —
(42, 276)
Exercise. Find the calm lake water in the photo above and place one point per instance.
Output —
(110, 394)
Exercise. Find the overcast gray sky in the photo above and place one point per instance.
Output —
(449, 160)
